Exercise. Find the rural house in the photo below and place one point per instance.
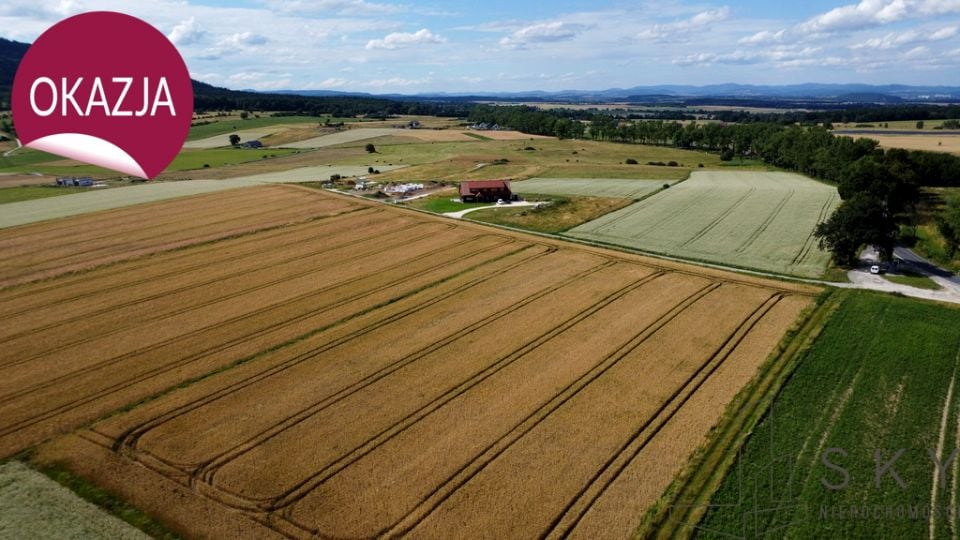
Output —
(485, 191)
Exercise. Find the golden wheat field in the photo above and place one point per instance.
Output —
(277, 361)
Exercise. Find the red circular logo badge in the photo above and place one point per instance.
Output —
(107, 89)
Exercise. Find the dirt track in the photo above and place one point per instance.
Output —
(380, 371)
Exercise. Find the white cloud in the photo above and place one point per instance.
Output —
(339, 7)
(550, 32)
(243, 39)
(763, 37)
(186, 33)
(870, 13)
(894, 40)
(679, 30)
(401, 40)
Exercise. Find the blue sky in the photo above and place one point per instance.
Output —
(409, 46)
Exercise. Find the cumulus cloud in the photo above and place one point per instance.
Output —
(550, 32)
(402, 40)
(681, 29)
(894, 40)
(763, 37)
(871, 13)
(186, 33)
(243, 39)
(42, 9)
(780, 56)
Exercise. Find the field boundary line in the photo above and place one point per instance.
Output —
(684, 502)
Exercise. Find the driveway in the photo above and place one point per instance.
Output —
(461, 213)
(861, 278)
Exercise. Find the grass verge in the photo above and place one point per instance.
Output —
(27, 193)
(562, 214)
(684, 501)
(108, 501)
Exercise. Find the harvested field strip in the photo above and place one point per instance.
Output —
(207, 351)
(195, 259)
(169, 297)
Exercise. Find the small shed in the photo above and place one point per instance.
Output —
(485, 191)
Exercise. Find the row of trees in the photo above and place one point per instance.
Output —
(877, 187)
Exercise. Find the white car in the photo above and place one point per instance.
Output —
(875, 269)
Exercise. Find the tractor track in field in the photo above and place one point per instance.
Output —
(218, 279)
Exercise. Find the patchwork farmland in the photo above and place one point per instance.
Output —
(755, 220)
(591, 187)
(303, 364)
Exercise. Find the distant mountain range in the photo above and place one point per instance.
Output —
(721, 94)
(839, 93)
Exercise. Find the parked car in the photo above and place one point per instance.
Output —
(875, 269)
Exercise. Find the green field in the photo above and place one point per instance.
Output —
(23, 212)
(196, 159)
(229, 125)
(442, 204)
(27, 193)
(28, 161)
(878, 377)
(591, 187)
(758, 220)
(562, 214)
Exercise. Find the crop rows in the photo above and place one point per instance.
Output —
(590, 187)
(755, 220)
(849, 398)
(381, 372)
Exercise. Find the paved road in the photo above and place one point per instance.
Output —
(926, 267)
(861, 277)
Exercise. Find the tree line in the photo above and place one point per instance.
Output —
(878, 187)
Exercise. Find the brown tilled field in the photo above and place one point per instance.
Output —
(295, 363)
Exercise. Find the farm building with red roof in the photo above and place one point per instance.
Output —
(485, 191)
